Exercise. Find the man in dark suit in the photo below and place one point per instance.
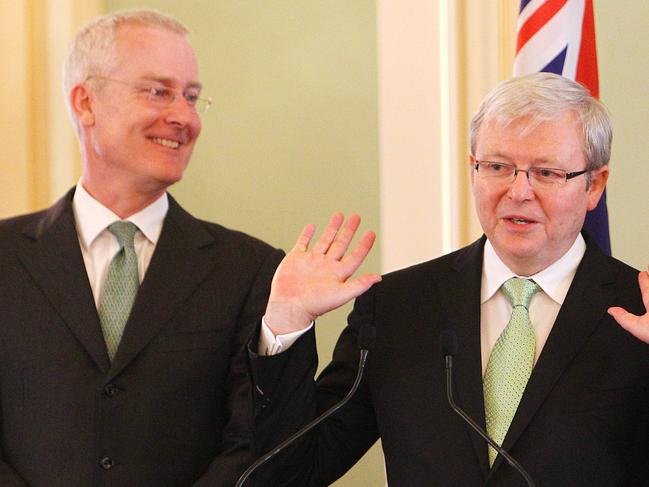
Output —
(104, 383)
(540, 364)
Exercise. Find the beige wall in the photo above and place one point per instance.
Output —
(14, 51)
(41, 158)
(622, 39)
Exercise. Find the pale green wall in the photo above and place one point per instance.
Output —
(622, 43)
(292, 136)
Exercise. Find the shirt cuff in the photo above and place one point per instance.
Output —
(269, 344)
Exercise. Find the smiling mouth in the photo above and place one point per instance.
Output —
(171, 144)
(519, 221)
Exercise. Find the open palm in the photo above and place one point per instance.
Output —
(309, 282)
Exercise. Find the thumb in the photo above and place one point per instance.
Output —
(630, 322)
(622, 316)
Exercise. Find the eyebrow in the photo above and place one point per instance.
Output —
(494, 156)
(538, 162)
(170, 81)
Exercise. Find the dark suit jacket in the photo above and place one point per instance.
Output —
(174, 405)
(582, 421)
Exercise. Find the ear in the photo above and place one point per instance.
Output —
(597, 185)
(81, 103)
(472, 171)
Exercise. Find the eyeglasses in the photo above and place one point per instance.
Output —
(163, 96)
(540, 177)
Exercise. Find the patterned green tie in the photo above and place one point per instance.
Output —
(120, 287)
(510, 363)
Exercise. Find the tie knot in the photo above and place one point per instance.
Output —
(124, 231)
(520, 291)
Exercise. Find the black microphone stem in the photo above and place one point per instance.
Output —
(476, 427)
(309, 426)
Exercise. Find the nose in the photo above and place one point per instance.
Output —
(520, 189)
(180, 113)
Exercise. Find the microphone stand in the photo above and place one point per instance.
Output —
(366, 342)
(476, 427)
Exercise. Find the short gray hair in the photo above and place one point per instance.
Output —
(546, 97)
(92, 51)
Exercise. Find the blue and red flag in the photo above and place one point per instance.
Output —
(558, 36)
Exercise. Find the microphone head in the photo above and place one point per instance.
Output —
(366, 337)
(448, 342)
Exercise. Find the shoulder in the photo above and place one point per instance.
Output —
(15, 231)
(467, 259)
(605, 268)
(16, 224)
(32, 226)
(229, 242)
(240, 242)
(236, 252)
(425, 284)
(604, 278)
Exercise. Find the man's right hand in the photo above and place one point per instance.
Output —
(310, 282)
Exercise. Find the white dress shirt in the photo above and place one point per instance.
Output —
(99, 245)
(495, 309)
(270, 344)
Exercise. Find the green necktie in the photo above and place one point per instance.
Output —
(510, 363)
(120, 287)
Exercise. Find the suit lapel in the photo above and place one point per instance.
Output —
(576, 321)
(463, 291)
(180, 262)
(53, 259)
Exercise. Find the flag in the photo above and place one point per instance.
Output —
(558, 36)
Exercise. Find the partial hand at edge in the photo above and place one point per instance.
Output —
(636, 325)
(310, 282)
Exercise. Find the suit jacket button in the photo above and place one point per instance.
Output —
(106, 463)
(111, 390)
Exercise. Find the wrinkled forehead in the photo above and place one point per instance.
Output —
(530, 118)
(556, 140)
(527, 123)
(146, 51)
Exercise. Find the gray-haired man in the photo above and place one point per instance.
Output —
(540, 363)
(121, 343)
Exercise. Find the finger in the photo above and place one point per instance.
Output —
(329, 233)
(358, 286)
(623, 317)
(643, 280)
(302, 243)
(631, 323)
(355, 258)
(341, 243)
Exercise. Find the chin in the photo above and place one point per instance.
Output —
(518, 251)
(158, 183)
(170, 173)
(523, 249)
(169, 180)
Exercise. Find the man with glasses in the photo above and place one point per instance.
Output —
(539, 363)
(123, 316)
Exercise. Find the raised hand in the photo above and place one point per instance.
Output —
(636, 325)
(310, 282)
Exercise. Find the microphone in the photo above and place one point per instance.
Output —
(448, 341)
(366, 340)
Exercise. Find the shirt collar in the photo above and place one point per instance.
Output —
(92, 217)
(554, 280)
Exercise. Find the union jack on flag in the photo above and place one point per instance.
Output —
(558, 36)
